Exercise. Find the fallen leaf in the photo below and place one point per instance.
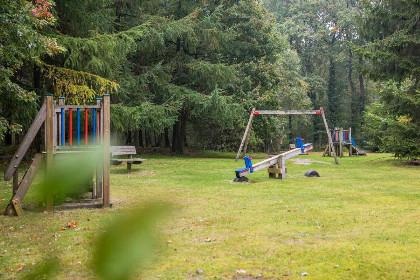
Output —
(241, 271)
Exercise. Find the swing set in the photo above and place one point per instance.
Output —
(281, 158)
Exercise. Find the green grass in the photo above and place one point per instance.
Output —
(359, 220)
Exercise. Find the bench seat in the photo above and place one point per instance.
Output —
(122, 151)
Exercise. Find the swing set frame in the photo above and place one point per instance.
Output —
(245, 139)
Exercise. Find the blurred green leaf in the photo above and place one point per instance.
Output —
(70, 174)
(128, 243)
(44, 270)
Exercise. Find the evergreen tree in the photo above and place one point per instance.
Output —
(392, 30)
(21, 46)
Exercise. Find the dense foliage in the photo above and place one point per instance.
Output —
(185, 73)
(392, 32)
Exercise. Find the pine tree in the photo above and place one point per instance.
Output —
(392, 30)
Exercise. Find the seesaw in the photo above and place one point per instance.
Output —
(271, 162)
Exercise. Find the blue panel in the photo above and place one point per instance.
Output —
(94, 125)
(78, 127)
(62, 126)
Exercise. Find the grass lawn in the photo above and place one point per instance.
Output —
(359, 220)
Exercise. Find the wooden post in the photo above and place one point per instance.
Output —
(328, 143)
(24, 144)
(49, 143)
(15, 181)
(99, 167)
(282, 165)
(106, 143)
(351, 143)
(55, 135)
(329, 135)
(98, 121)
(272, 170)
(245, 138)
(341, 135)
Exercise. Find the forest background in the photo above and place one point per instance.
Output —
(186, 73)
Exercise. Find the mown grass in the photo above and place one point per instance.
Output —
(360, 219)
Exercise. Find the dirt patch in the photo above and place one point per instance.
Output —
(413, 162)
(306, 161)
(144, 172)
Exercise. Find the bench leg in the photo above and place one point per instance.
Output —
(128, 165)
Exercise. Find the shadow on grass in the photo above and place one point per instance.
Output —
(124, 171)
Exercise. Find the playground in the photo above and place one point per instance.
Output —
(358, 220)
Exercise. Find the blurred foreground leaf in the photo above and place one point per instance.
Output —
(44, 270)
(70, 174)
(128, 243)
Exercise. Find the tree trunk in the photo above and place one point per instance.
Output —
(128, 138)
(290, 129)
(333, 100)
(350, 74)
(37, 87)
(333, 97)
(175, 136)
(137, 138)
(182, 131)
(118, 8)
(167, 142)
(354, 100)
(148, 139)
(179, 135)
(362, 89)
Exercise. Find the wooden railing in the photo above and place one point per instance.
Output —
(25, 144)
(53, 116)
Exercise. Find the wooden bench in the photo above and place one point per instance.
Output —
(123, 151)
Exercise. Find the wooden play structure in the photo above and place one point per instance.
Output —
(273, 170)
(96, 137)
(343, 138)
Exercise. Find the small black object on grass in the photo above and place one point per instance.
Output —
(241, 179)
(312, 173)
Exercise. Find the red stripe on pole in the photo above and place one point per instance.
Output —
(86, 126)
(318, 112)
(256, 113)
(70, 127)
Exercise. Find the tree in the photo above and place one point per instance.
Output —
(322, 32)
(21, 44)
(392, 32)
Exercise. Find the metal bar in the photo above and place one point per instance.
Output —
(287, 112)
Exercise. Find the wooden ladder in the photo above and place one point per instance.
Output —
(15, 205)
